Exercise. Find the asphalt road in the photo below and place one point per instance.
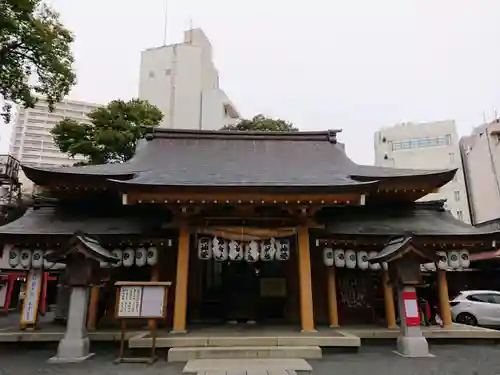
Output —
(379, 360)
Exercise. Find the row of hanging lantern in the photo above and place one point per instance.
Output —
(350, 259)
(27, 258)
(222, 250)
(451, 259)
(128, 257)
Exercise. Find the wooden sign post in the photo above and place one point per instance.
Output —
(29, 314)
(140, 300)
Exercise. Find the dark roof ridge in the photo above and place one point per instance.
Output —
(323, 135)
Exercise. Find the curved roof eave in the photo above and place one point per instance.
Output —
(356, 186)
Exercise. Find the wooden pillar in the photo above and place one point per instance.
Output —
(444, 299)
(305, 282)
(333, 313)
(390, 311)
(93, 307)
(181, 279)
(155, 276)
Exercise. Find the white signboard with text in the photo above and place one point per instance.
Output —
(141, 300)
(32, 296)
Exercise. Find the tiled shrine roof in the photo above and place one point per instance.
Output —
(189, 158)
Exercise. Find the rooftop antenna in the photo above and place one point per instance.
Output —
(165, 19)
(484, 117)
(191, 30)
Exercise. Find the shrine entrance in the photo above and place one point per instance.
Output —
(243, 292)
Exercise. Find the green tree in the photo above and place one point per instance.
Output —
(262, 124)
(113, 132)
(35, 54)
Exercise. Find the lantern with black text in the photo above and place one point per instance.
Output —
(283, 250)
(339, 256)
(14, 255)
(464, 259)
(350, 259)
(25, 258)
(141, 257)
(362, 260)
(328, 257)
(236, 251)
(37, 259)
(152, 256)
(454, 259)
(204, 248)
(252, 251)
(374, 266)
(219, 249)
(442, 263)
(267, 250)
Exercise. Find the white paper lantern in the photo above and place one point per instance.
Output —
(25, 258)
(204, 248)
(219, 249)
(385, 266)
(141, 256)
(236, 251)
(442, 263)
(328, 257)
(118, 253)
(464, 259)
(454, 259)
(252, 251)
(362, 259)
(350, 259)
(339, 256)
(283, 250)
(128, 257)
(267, 250)
(37, 259)
(14, 255)
(374, 266)
(152, 256)
(429, 266)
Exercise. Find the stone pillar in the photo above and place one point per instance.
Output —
(181, 280)
(411, 342)
(444, 299)
(333, 313)
(74, 347)
(390, 313)
(305, 282)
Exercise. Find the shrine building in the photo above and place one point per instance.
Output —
(250, 228)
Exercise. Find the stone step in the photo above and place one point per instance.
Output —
(183, 354)
(243, 366)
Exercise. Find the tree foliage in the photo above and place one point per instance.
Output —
(112, 134)
(35, 54)
(262, 124)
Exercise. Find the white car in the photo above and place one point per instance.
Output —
(477, 307)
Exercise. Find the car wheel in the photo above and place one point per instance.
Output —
(467, 319)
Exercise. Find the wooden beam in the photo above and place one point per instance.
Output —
(305, 282)
(333, 312)
(181, 279)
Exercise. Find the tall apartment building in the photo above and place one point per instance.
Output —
(183, 82)
(481, 163)
(31, 142)
(432, 145)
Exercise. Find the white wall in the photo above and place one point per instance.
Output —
(481, 158)
(424, 154)
(182, 81)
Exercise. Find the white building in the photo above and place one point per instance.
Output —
(183, 82)
(432, 145)
(481, 162)
(31, 142)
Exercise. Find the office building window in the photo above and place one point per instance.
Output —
(422, 142)
(457, 196)
(460, 214)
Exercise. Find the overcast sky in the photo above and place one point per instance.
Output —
(322, 64)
